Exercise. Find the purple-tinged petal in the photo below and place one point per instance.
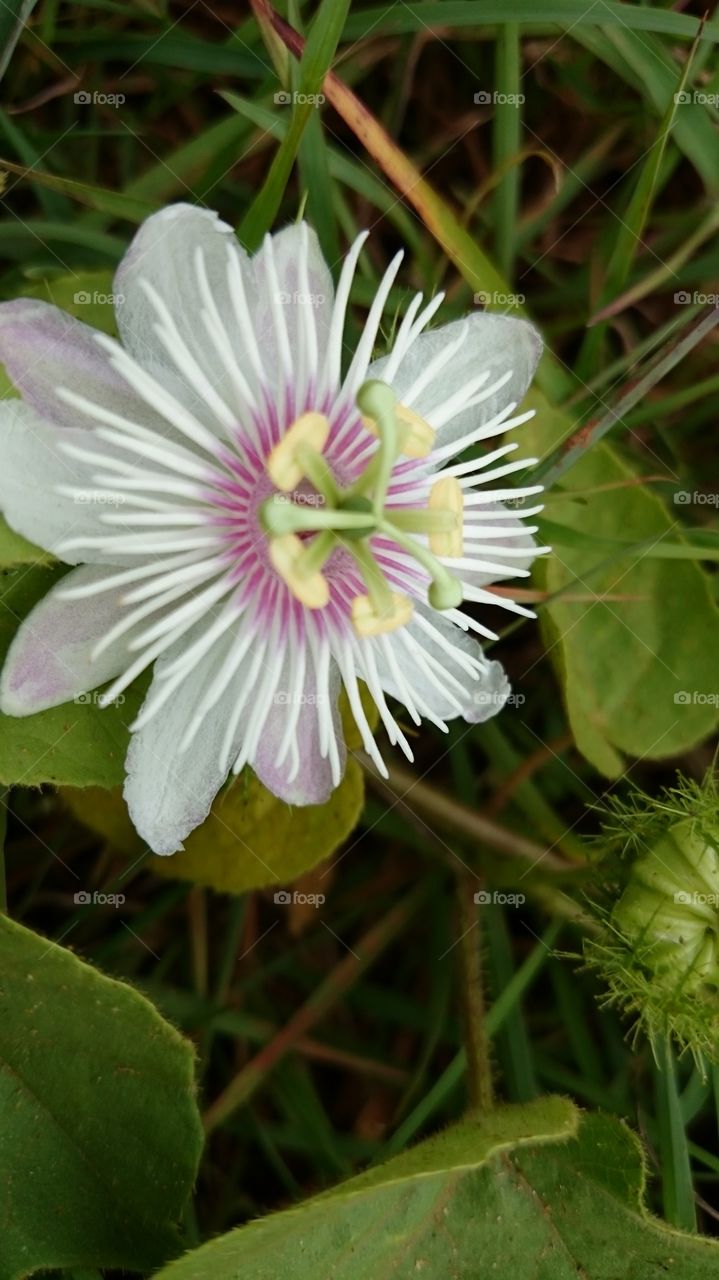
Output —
(44, 348)
(49, 661)
(313, 783)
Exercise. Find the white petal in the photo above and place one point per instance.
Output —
(499, 344)
(489, 696)
(163, 254)
(48, 662)
(169, 792)
(290, 294)
(33, 465)
(446, 689)
(473, 533)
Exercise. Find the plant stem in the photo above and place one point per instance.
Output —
(325, 996)
(479, 1067)
(410, 792)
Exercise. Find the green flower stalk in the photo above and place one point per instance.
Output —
(658, 949)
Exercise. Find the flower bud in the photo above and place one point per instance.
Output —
(658, 949)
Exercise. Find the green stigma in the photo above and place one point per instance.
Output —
(350, 517)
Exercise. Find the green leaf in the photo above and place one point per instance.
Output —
(13, 17)
(448, 14)
(115, 203)
(87, 295)
(250, 838)
(77, 743)
(516, 1190)
(352, 174)
(14, 549)
(397, 1219)
(100, 1137)
(622, 662)
(316, 60)
(678, 1190)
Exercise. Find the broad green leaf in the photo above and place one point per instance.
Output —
(14, 549)
(398, 1219)
(100, 1136)
(623, 662)
(522, 1192)
(249, 840)
(594, 1189)
(87, 295)
(76, 744)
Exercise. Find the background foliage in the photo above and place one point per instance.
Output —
(554, 159)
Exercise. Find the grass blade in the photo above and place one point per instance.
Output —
(316, 59)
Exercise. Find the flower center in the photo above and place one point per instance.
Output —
(302, 536)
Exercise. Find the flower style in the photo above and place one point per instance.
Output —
(262, 527)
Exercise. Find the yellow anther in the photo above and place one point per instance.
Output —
(286, 552)
(446, 495)
(417, 438)
(283, 468)
(368, 620)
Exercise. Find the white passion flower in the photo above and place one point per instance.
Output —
(261, 526)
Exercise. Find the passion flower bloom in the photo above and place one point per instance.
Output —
(262, 527)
